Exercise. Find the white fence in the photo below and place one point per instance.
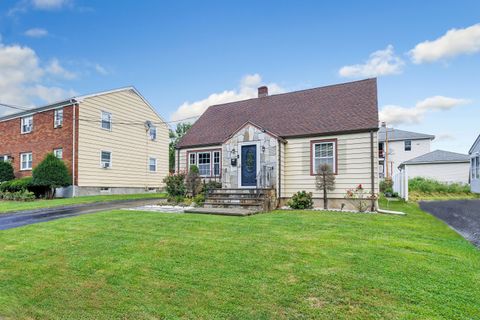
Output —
(400, 183)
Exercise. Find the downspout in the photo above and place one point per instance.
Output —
(279, 170)
(372, 176)
(74, 147)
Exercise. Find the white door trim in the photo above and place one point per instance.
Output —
(239, 164)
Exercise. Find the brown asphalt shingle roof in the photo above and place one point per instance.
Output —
(326, 110)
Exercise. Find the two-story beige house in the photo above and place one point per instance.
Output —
(113, 142)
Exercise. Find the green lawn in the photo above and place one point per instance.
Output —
(280, 265)
(418, 196)
(8, 206)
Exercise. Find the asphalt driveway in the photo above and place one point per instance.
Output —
(462, 215)
(21, 218)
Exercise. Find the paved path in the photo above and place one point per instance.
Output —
(18, 219)
(462, 215)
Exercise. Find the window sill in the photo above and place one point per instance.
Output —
(26, 169)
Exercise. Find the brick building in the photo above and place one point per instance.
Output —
(111, 142)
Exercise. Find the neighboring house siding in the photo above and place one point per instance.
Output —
(444, 172)
(475, 183)
(353, 159)
(128, 143)
(397, 153)
(43, 139)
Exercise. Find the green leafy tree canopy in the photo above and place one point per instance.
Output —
(52, 173)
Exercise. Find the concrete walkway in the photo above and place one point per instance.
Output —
(21, 218)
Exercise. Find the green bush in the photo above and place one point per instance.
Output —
(22, 195)
(175, 185)
(424, 185)
(211, 185)
(386, 184)
(6, 171)
(51, 173)
(17, 185)
(301, 200)
(199, 199)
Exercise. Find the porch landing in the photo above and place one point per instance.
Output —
(239, 212)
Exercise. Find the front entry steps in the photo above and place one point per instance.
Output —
(254, 200)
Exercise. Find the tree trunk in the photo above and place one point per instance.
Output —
(325, 200)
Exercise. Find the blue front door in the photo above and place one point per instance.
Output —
(249, 166)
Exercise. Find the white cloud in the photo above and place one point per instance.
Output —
(55, 68)
(395, 115)
(247, 89)
(444, 137)
(22, 77)
(380, 63)
(451, 44)
(36, 33)
(101, 70)
(49, 4)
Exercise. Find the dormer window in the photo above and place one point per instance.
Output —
(58, 118)
(27, 124)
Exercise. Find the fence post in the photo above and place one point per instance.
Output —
(406, 183)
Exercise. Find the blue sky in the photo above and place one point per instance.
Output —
(185, 55)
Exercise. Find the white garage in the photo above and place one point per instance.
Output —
(443, 166)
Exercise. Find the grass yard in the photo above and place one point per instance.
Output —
(280, 265)
(9, 206)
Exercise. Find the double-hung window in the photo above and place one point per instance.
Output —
(192, 159)
(477, 167)
(408, 145)
(152, 164)
(58, 118)
(216, 163)
(26, 160)
(58, 153)
(153, 133)
(27, 124)
(204, 163)
(323, 152)
(106, 159)
(106, 120)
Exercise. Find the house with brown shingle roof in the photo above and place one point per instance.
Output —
(279, 141)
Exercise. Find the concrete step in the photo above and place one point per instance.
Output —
(236, 196)
(248, 206)
(235, 200)
(240, 191)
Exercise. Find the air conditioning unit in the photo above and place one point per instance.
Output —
(105, 165)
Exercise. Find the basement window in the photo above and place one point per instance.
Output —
(105, 190)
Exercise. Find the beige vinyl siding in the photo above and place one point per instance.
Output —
(353, 160)
(129, 144)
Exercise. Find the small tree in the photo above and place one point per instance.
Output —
(325, 181)
(6, 171)
(175, 185)
(51, 173)
(193, 182)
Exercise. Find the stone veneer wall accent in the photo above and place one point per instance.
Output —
(268, 157)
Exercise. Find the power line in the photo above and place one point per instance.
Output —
(14, 107)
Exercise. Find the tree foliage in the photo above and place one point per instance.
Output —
(6, 171)
(175, 137)
(325, 181)
(193, 182)
(51, 173)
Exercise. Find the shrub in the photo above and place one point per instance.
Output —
(199, 199)
(210, 185)
(385, 184)
(430, 186)
(22, 195)
(361, 198)
(193, 182)
(175, 185)
(51, 173)
(6, 171)
(301, 200)
(17, 185)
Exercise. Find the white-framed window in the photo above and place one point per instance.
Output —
(323, 152)
(204, 163)
(192, 159)
(106, 120)
(216, 163)
(58, 118)
(26, 160)
(27, 124)
(152, 164)
(476, 167)
(408, 145)
(58, 153)
(153, 133)
(5, 158)
(106, 159)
